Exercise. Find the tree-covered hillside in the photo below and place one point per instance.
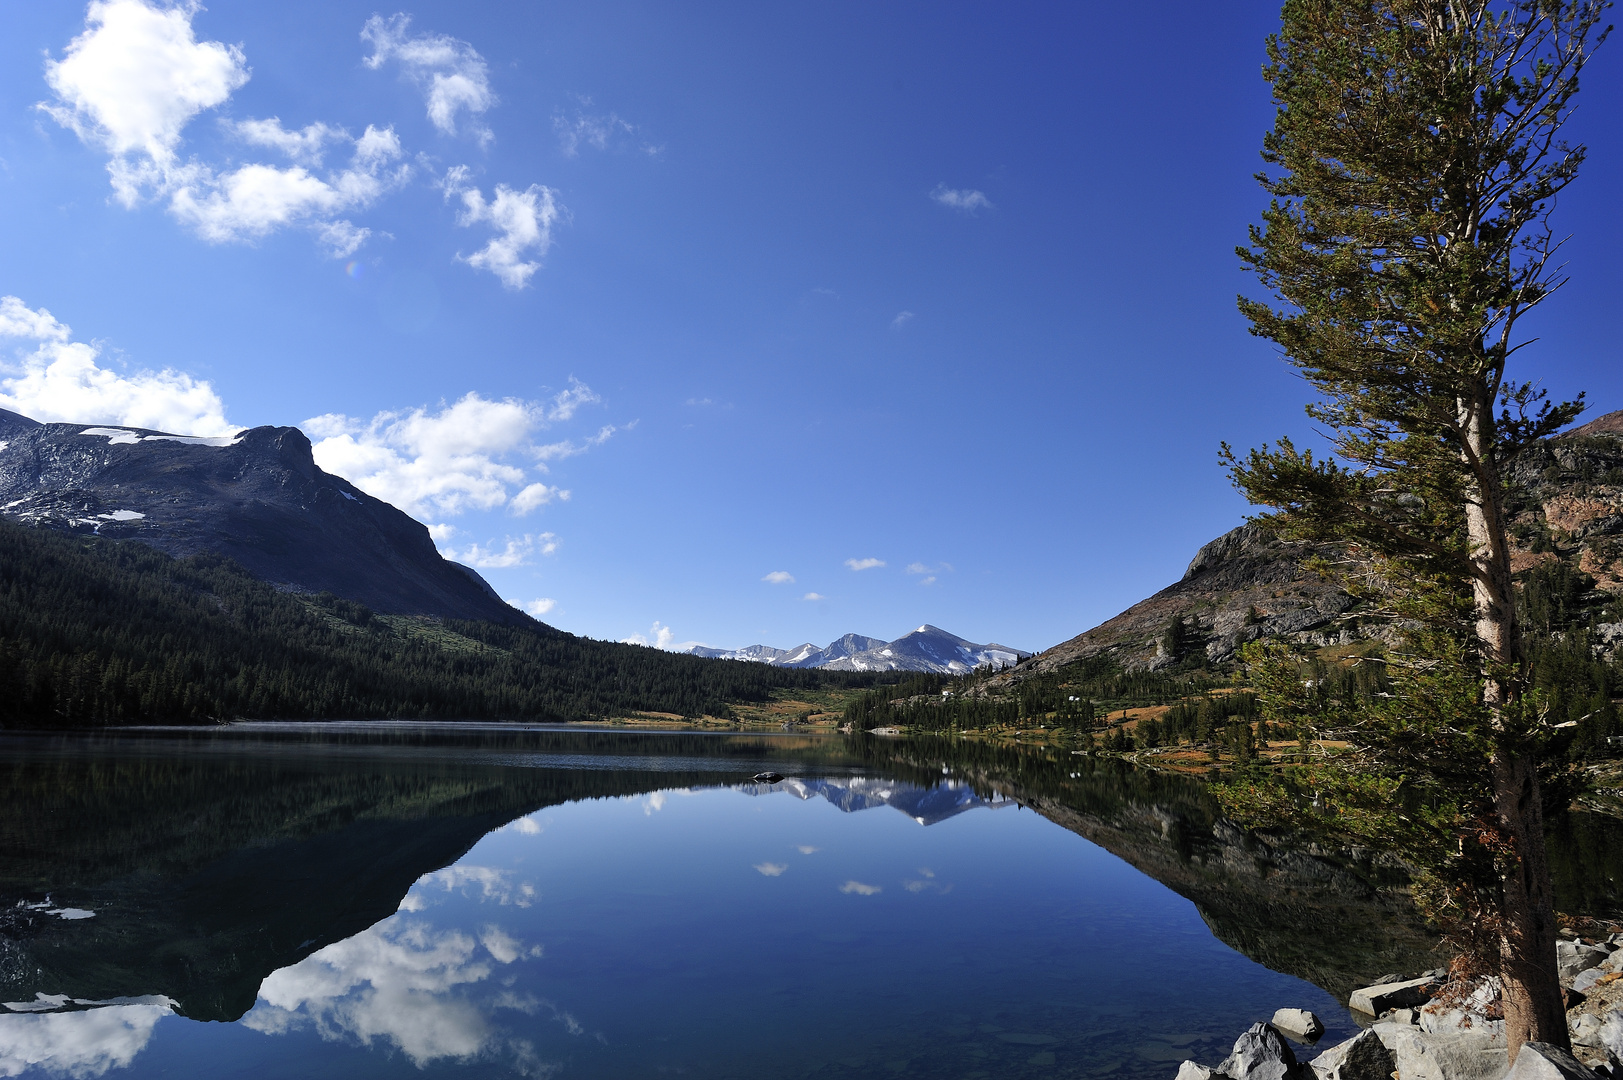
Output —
(96, 631)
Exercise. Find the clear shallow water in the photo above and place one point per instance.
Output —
(572, 905)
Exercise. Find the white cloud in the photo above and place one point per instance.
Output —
(517, 551)
(771, 869)
(452, 75)
(523, 221)
(460, 457)
(79, 1044)
(61, 381)
(535, 495)
(255, 200)
(780, 577)
(902, 319)
(135, 78)
(597, 131)
(864, 564)
(814, 596)
(568, 400)
(536, 608)
(567, 449)
(921, 568)
(808, 849)
(928, 581)
(962, 199)
(304, 147)
(660, 637)
(859, 889)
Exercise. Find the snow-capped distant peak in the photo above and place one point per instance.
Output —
(928, 648)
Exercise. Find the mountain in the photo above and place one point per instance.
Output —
(1564, 500)
(256, 497)
(925, 649)
(925, 805)
(100, 631)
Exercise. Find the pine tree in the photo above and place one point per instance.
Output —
(1414, 163)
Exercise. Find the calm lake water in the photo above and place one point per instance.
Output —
(405, 900)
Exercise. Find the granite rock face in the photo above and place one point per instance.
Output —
(1564, 501)
(257, 497)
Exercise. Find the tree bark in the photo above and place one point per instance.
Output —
(1534, 1008)
(1491, 585)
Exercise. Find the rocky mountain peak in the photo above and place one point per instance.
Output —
(257, 497)
(1564, 501)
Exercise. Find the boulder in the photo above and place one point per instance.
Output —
(1362, 1057)
(1541, 1061)
(1585, 1030)
(1571, 957)
(1469, 1016)
(1261, 1054)
(1300, 1023)
(1189, 1070)
(1464, 1021)
(1611, 1033)
(1421, 1055)
(1585, 981)
(1375, 1000)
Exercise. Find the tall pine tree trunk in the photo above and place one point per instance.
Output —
(1534, 1008)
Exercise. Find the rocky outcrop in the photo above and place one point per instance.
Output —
(1244, 585)
(257, 497)
(1565, 502)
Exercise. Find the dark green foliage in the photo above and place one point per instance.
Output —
(1076, 697)
(1199, 720)
(105, 632)
(1560, 607)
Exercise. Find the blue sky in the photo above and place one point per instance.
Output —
(778, 322)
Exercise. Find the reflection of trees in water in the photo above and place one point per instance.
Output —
(212, 863)
(212, 866)
(1335, 918)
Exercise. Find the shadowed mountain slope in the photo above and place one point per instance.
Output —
(257, 498)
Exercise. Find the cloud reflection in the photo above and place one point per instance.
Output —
(406, 984)
(771, 869)
(490, 883)
(859, 889)
(77, 1044)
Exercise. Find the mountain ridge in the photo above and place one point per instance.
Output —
(257, 497)
(1564, 503)
(927, 649)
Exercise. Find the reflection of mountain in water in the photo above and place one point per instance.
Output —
(210, 865)
(925, 805)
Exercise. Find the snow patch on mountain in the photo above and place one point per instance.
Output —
(928, 648)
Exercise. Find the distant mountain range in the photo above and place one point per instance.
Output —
(928, 648)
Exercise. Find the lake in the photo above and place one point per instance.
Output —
(406, 900)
